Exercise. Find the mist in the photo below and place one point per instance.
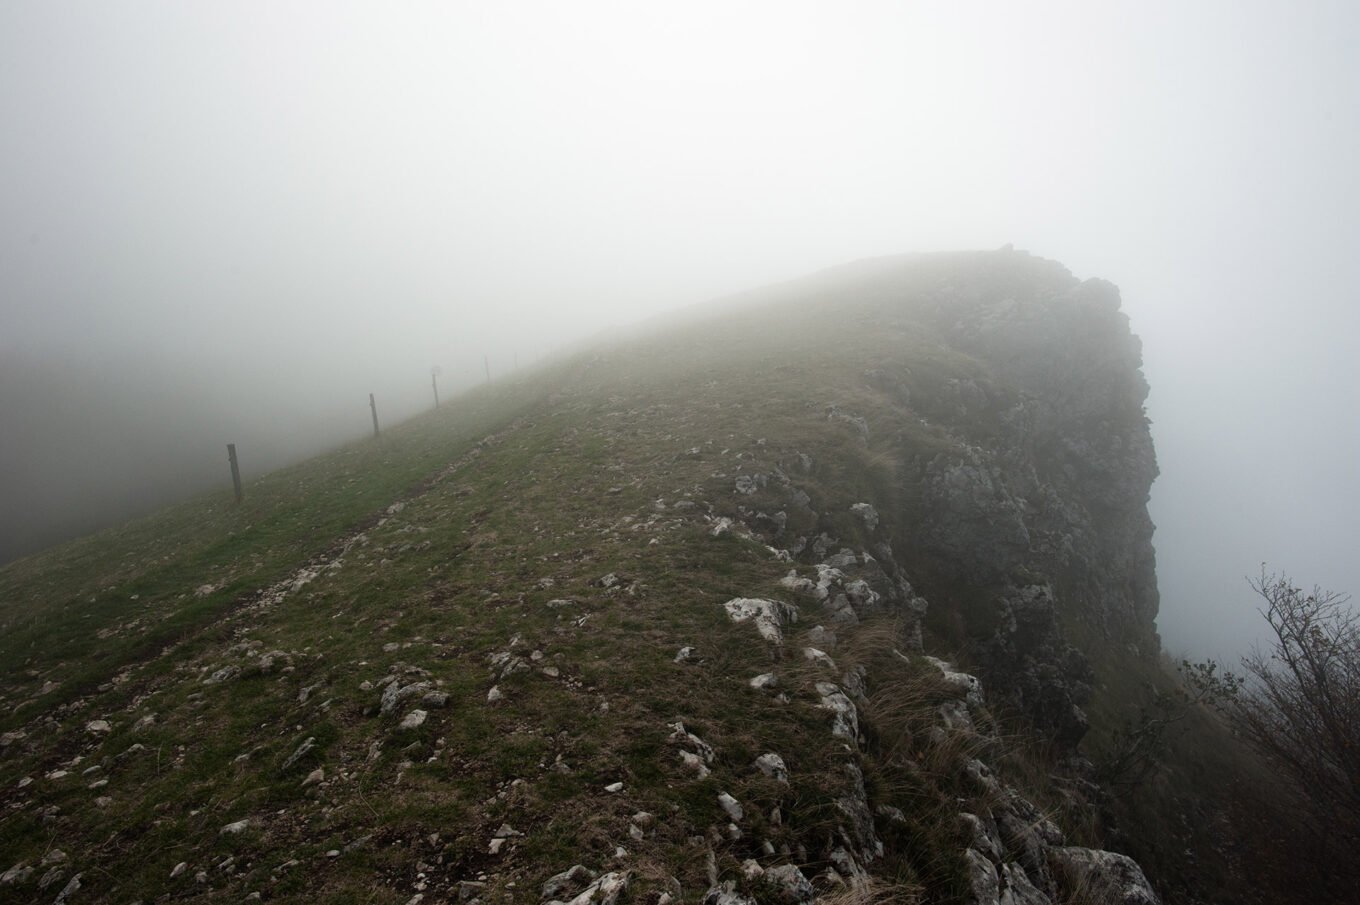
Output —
(230, 223)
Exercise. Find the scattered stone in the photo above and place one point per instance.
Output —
(769, 616)
(10, 738)
(179, 869)
(726, 894)
(731, 807)
(821, 637)
(315, 777)
(866, 512)
(609, 581)
(606, 890)
(224, 674)
(55, 856)
(233, 829)
(413, 720)
(494, 695)
(394, 696)
(819, 657)
(98, 727)
(302, 751)
(684, 655)
(772, 765)
(568, 880)
(71, 888)
(789, 885)
(16, 875)
(435, 699)
(765, 681)
(614, 787)
(495, 847)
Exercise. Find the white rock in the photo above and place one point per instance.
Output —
(179, 869)
(98, 727)
(17, 874)
(769, 616)
(232, 829)
(316, 776)
(790, 886)
(820, 657)
(846, 721)
(731, 807)
(765, 681)
(614, 787)
(413, 720)
(772, 765)
(494, 694)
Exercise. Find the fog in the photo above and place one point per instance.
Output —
(231, 222)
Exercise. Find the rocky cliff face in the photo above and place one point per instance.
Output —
(727, 614)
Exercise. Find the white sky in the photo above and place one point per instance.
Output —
(343, 194)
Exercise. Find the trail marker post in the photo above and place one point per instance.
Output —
(434, 383)
(235, 472)
(374, 406)
(486, 363)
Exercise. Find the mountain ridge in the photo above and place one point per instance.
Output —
(726, 566)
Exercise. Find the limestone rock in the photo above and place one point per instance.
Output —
(770, 616)
(788, 885)
(1109, 876)
(867, 513)
(772, 765)
(569, 880)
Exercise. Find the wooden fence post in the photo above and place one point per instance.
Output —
(374, 406)
(235, 472)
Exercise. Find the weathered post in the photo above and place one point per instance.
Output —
(374, 406)
(235, 472)
(486, 363)
(434, 384)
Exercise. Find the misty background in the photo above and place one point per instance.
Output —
(231, 222)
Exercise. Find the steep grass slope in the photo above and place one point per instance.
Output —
(661, 611)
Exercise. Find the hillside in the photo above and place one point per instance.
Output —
(817, 595)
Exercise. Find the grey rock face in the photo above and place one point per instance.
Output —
(1046, 675)
(1105, 876)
